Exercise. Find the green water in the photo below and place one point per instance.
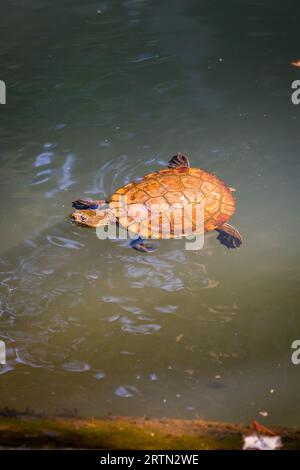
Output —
(95, 100)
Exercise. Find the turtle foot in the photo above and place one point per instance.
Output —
(139, 245)
(229, 236)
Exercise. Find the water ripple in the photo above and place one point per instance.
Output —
(76, 366)
(140, 329)
(44, 158)
(126, 391)
(64, 242)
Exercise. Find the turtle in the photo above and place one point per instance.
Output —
(165, 197)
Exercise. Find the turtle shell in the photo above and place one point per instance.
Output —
(173, 203)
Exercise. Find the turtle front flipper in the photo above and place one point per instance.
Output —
(86, 204)
(140, 245)
(229, 236)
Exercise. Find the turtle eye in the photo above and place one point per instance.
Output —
(83, 218)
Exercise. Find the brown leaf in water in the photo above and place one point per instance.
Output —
(260, 429)
(262, 438)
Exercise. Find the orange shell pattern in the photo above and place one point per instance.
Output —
(143, 207)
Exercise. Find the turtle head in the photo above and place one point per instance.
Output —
(92, 218)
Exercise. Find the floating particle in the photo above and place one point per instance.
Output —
(99, 375)
(179, 337)
(153, 377)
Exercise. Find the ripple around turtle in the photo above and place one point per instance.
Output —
(64, 242)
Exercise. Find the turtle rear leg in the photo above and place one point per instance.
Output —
(229, 236)
(86, 204)
(140, 245)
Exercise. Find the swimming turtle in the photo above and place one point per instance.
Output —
(170, 193)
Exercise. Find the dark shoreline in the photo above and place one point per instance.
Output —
(36, 432)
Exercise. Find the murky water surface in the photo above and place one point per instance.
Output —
(101, 92)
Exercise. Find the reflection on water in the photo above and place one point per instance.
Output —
(60, 177)
(104, 99)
